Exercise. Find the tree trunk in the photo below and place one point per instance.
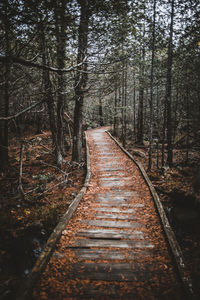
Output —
(169, 91)
(100, 111)
(140, 133)
(125, 107)
(4, 97)
(151, 87)
(80, 81)
(60, 45)
(115, 111)
(49, 96)
(134, 108)
(188, 117)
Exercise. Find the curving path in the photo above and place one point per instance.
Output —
(114, 246)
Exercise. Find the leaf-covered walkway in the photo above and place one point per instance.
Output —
(114, 246)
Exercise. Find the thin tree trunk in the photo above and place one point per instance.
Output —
(115, 112)
(49, 97)
(163, 136)
(152, 85)
(169, 91)
(4, 97)
(187, 115)
(134, 108)
(100, 111)
(60, 44)
(80, 81)
(125, 107)
(140, 133)
(20, 187)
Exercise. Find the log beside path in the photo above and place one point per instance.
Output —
(117, 244)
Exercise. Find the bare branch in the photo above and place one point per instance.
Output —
(29, 63)
(21, 112)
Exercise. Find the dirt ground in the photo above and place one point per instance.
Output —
(26, 221)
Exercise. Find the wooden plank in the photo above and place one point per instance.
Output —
(111, 174)
(93, 254)
(122, 272)
(122, 194)
(100, 243)
(119, 204)
(104, 291)
(114, 216)
(114, 224)
(109, 169)
(115, 178)
(98, 254)
(108, 200)
(114, 183)
(116, 210)
(111, 234)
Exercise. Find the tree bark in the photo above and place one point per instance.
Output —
(115, 110)
(169, 90)
(49, 97)
(140, 132)
(4, 97)
(100, 111)
(60, 45)
(151, 87)
(80, 81)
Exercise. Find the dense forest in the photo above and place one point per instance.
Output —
(133, 64)
(70, 65)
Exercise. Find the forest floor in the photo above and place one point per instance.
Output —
(175, 189)
(27, 221)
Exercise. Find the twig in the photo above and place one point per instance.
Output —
(20, 187)
(51, 188)
(70, 135)
(55, 167)
(49, 151)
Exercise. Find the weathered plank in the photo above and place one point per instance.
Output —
(113, 183)
(93, 254)
(115, 178)
(111, 272)
(111, 174)
(120, 204)
(114, 224)
(111, 234)
(111, 243)
(109, 169)
(116, 210)
(114, 216)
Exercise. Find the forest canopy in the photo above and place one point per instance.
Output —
(68, 65)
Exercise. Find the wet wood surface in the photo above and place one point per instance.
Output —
(114, 246)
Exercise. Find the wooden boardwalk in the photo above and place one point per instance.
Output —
(114, 246)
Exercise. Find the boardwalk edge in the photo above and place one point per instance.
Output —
(46, 253)
(171, 238)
